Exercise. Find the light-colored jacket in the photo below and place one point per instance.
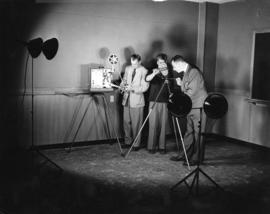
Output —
(139, 85)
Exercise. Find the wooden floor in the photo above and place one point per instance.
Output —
(97, 179)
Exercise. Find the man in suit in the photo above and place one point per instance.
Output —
(191, 82)
(134, 85)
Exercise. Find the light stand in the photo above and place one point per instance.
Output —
(49, 49)
(215, 106)
(197, 170)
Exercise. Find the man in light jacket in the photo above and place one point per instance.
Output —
(134, 85)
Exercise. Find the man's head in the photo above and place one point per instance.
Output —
(161, 59)
(162, 63)
(135, 60)
(179, 64)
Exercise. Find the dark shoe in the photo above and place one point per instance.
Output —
(137, 148)
(125, 146)
(162, 151)
(151, 151)
(177, 158)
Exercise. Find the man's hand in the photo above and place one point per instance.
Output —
(152, 75)
(129, 88)
(178, 81)
(155, 71)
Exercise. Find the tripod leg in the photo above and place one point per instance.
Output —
(137, 137)
(181, 137)
(110, 119)
(197, 182)
(186, 183)
(106, 116)
(195, 179)
(183, 180)
(73, 141)
(175, 134)
(207, 176)
(40, 153)
(75, 115)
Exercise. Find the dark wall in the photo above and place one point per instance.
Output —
(237, 23)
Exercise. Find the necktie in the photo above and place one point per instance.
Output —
(133, 74)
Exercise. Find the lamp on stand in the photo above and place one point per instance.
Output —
(49, 49)
(215, 106)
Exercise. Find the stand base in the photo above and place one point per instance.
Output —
(195, 181)
(108, 119)
(46, 158)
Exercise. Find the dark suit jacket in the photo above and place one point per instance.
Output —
(193, 85)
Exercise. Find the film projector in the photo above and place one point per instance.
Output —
(101, 78)
(100, 83)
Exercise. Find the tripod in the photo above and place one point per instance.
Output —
(197, 170)
(108, 118)
(166, 82)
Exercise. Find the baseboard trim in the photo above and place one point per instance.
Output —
(76, 144)
(236, 141)
(208, 136)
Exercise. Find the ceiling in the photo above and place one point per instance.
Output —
(213, 1)
(85, 1)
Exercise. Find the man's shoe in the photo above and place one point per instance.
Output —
(125, 146)
(151, 151)
(137, 148)
(177, 158)
(162, 151)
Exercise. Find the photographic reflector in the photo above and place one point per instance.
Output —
(215, 106)
(179, 104)
(50, 48)
(34, 47)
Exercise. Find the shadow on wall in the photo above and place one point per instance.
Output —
(127, 52)
(149, 60)
(180, 40)
(103, 55)
(230, 76)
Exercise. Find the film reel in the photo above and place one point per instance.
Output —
(113, 59)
